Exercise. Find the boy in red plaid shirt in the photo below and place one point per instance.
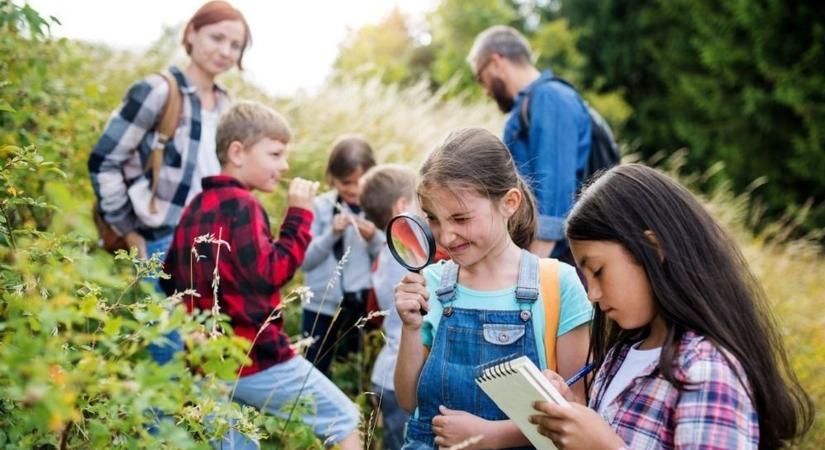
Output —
(253, 266)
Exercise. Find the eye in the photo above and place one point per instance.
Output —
(237, 45)
(597, 272)
(461, 219)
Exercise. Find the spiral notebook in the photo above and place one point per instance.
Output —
(514, 384)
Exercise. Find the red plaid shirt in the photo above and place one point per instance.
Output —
(251, 271)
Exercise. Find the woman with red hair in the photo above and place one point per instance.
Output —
(145, 215)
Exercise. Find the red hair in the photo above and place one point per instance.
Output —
(214, 12)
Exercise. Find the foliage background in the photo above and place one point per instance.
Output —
(74, 324)
(740, 83)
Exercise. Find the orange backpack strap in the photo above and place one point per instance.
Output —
(550, 294)
(165, 130)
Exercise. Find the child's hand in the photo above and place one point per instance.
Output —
(366, 228)
(574, 427)
(452, 428)
(340, 222)
(558, 382)
(133, 239)
(301, 193)
(411, 300)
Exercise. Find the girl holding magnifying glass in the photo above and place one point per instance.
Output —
(481, 305)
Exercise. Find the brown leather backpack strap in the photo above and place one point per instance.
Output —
(165, 130)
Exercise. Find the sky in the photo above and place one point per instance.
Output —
(294, 42)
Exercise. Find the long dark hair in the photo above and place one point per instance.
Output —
(703, 285)
(474, 158)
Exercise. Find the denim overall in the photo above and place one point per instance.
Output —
(465, 339)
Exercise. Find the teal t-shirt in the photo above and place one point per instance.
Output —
(574, 309)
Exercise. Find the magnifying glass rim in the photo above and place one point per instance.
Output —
(428, 234)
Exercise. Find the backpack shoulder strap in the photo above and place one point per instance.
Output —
(524, 108)
(165, 130)
(549, 283)
(524, 113)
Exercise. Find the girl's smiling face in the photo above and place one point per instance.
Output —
(616, 283)
(467, 225)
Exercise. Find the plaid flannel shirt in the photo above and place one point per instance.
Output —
(712, 412)
(251, 270)
(118, 165)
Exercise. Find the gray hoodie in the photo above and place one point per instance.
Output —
(319, 261)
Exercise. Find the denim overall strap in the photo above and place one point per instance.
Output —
(527, 286)
(464, 339)
(446, 290)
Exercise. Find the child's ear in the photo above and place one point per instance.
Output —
(401, 205)
(510, 202)
(651, 236)
(236, 153)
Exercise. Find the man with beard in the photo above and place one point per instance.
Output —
(550, 148)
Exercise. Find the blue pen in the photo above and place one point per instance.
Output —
(580, 374)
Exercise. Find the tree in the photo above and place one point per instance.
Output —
(387, 50)
(736, 82)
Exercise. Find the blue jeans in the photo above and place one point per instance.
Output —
(465, 339)
(332, 415)
(164, 349)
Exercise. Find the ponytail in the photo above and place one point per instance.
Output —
(522, 225)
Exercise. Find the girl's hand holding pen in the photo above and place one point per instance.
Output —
(411, 298)
(563, 386)
(558, 382)
(575, 426)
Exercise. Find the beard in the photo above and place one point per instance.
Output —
(499, 92)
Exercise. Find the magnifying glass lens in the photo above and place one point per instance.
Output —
(411, 242)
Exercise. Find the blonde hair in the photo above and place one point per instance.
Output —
(474, 158)
(248, 122)
(381, 187)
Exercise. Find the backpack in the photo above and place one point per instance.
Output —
(108, 238)
(604, 151)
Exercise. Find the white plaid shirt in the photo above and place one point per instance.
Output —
(118, 165)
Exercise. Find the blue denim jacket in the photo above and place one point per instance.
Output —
(552, 156)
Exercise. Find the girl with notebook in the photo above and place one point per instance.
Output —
(688, 353)
(484, 303)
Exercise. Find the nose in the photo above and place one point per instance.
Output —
(444, 234)
(594, 291)
(226, 49)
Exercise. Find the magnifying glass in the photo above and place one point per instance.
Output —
(411, 242)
